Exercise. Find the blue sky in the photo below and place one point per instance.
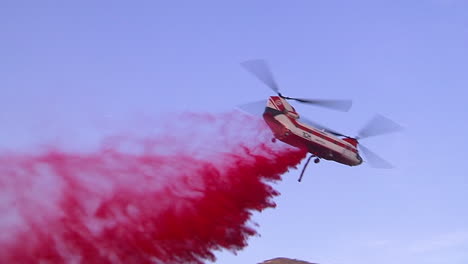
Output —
(80, 63)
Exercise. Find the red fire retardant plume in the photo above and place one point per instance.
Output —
(174, 196)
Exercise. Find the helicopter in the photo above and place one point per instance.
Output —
(320, 141)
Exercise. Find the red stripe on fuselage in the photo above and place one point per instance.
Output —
(320, 135)
(279, 107)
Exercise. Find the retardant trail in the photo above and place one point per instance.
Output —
(173, 197)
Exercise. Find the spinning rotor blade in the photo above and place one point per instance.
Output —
(261, 70)
(340, 105)
(374, 160)
(321, 127)
(379, 125)
(254, 108)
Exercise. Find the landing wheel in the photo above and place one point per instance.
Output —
(316, 160)
(273, 140)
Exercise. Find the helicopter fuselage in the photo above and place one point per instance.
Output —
(286, 126)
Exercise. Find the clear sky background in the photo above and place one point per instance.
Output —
(64, 64)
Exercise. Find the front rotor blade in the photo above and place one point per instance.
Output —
(261, 70)
(340, 105)
(320, 127)
(379, 125)
(254, 108)
(374, 160)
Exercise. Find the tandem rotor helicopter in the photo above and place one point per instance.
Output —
(322, 142)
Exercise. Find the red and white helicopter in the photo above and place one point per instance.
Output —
(320, 141)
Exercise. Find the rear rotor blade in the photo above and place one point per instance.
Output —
(374, 160)
(340, 105)
(321, 127)
(254, 108)
(379, 125)
(261, 70)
